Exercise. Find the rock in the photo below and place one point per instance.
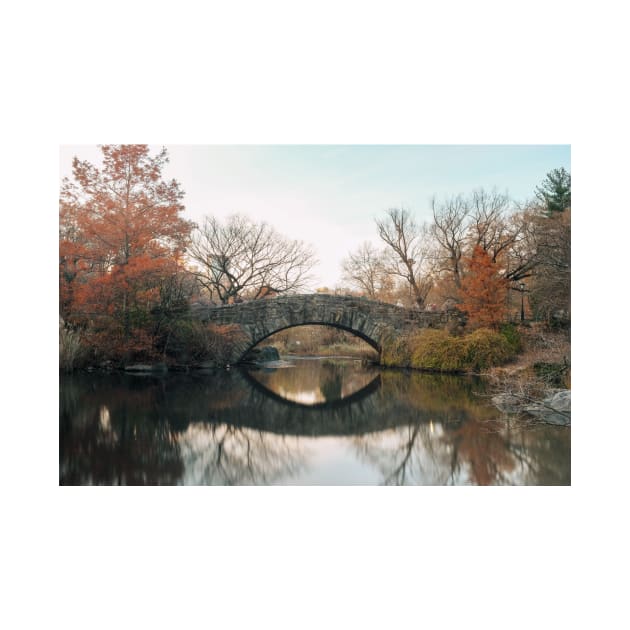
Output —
(507, 403)
(560, 401)
(262, 355)
(555, 409)
(146, 367)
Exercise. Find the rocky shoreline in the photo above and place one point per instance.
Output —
(553, 409)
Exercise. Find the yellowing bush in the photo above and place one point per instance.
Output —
(486, 348)
(437, 350)
(395, 352)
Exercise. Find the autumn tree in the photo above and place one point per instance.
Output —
(242, 258)
(407, 251)
(121, 242)
(483, 290)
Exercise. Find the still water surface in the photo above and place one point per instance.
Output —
(301, 421)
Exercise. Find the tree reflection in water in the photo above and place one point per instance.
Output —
(221, 454)
(225, 428)
(476, 452)
(456, 439)
(110, 439)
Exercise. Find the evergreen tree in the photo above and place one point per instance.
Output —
(555, 191)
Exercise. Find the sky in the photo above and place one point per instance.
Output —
(330, 195)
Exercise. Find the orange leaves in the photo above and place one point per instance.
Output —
(121, 236)
(483, 290)
(125, 209)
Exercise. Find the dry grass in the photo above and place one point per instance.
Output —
(71, 349)
(540, 347)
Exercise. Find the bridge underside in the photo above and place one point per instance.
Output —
(373, 343)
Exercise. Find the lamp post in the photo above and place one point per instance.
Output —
(522, 289)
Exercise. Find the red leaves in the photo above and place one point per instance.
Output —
(483, 290)
(121, 235)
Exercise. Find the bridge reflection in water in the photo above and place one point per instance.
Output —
(360, 426)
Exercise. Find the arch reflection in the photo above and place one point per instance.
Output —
(328, 384)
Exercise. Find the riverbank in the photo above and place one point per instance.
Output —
(537, 382)
(545, 357)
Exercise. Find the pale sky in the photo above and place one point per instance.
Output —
(329, 195)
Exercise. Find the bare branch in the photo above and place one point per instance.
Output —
(240, 258)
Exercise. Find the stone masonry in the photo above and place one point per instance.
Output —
(368, 319)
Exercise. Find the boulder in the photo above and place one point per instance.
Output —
(146, 367)
(560, 401)
(555, 409)
(262, 355)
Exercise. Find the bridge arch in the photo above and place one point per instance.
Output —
(368, 319)
(373, 343)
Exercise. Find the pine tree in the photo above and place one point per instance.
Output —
(555, 191)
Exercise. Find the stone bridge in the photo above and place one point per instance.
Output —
(368, 319)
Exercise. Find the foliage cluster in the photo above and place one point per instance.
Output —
(121, 242)
(513, 337)
(437, 350)
(483, 290)
(555, 374)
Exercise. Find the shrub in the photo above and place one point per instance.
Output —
(554, 374)
(513, 337)
(486, 348)
(395, 352)
(198, 341)
(437, 350)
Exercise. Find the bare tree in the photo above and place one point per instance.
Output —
(520, 256)
(551, 286)
(241, 258)
(407, 251)
(490, 227)
(449, 230)
(365, 270)
(490, 220)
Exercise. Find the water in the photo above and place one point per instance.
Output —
(301, 421)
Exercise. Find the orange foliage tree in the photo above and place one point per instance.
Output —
(121, 242)
(483, 290)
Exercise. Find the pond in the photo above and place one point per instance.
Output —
(299, 421)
